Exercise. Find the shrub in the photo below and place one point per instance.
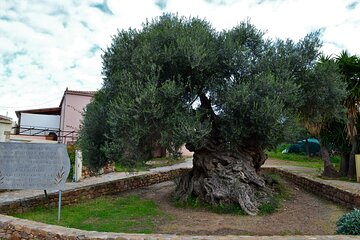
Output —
(71, 152)
(93, 132)
(349, 223)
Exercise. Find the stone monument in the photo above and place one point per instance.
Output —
(34, 166)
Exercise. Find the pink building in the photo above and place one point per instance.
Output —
(73, 104)
(59, 123)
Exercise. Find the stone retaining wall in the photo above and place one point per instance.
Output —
(14, 228)
(108, 168)
(345, 198)
(93, 191)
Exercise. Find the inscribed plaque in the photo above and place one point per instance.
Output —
(33, 166)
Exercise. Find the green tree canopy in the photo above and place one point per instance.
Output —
(227, 95)
(323, 93)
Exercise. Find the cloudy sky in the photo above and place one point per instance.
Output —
(46, 46)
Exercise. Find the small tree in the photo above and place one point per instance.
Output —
(323, 92)
(93, 132)
(227, 95)
(334, 135)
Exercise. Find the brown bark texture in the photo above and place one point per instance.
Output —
(352, 134)
(226, 177)
(344, 165)
(329, 169)
(351, 171)
(221, 176)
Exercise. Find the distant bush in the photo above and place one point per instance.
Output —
(349, 223)
(282, 147)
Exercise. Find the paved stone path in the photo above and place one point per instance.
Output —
(17, 195)
(303, 171)
(313, 173)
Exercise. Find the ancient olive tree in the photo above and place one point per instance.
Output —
(226, 95)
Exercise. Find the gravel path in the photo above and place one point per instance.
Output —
(302, 214)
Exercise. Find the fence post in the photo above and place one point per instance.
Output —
(78, 165)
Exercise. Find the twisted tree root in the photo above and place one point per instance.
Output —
(224, 178)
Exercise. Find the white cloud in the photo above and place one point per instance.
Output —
(46, 46)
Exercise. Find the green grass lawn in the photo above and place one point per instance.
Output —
(303, 160)
(129, 214)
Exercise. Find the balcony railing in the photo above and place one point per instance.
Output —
(49, 133)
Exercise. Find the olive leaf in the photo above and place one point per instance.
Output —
(1, 178)
(59, 176)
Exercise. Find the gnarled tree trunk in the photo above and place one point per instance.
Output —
(223, 176)
(226, 177)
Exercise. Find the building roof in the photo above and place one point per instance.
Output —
(79, 93)
(46, 111)
(54, 110)
(5, 118)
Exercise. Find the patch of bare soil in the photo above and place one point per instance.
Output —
(302, 214)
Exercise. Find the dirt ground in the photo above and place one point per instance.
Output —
(302, 214)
